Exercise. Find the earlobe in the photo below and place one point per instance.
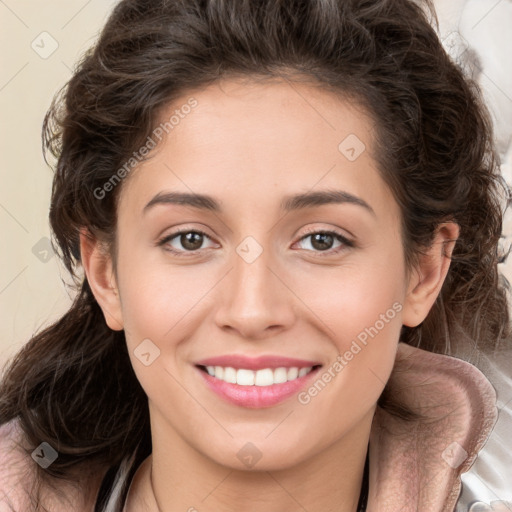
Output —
(98, 269)
(427, 278)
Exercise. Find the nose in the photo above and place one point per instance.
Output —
(255, 302)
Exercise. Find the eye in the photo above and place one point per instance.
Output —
(191, 240)
(322, 241)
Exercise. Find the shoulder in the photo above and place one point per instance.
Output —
(18, 472)
(456, 408)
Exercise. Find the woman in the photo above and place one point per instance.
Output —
(287, 216)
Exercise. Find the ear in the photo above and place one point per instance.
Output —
(428, 276)
(98, 269)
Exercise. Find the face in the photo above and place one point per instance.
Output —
(307, 283)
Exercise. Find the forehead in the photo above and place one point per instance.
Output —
(260, 139)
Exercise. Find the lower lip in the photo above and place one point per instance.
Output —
(256, 397)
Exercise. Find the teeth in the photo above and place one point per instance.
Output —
(219, 372)
(303, 371)
(261, 377)
(245, 377)
(264, 377)
(279, 375)
(293, 373)
(230, 375)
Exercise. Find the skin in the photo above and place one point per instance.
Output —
(249, 145)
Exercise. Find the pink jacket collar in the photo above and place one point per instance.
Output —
(416, 466)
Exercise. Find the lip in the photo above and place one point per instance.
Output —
(238, 361)
(256, 397)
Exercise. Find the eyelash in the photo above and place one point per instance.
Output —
(329, 252)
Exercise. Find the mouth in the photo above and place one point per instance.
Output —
(263, 377)
(264, 386)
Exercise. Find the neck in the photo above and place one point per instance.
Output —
(190, 481)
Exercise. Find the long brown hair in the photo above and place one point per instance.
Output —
(72, 385)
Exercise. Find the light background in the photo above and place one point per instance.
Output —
(32, 293)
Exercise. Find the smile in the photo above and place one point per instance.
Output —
(263, 377)
(256, 382)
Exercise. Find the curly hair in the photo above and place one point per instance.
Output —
(72, 384)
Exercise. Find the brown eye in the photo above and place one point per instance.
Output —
(191, 240)
(323, 241)
(185, 241)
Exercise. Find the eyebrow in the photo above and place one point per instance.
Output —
(289, 203)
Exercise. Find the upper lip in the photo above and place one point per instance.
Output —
(256, 363)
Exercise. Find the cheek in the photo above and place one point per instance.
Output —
(366, 330)
(360, 310)
(162, 307)
(157, 299)
(356, 296)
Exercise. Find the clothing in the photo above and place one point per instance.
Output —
(490, 479)
(414, 465)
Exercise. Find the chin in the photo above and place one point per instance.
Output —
(247, 455)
